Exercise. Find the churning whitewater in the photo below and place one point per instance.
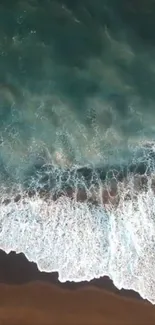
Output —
(81, 240)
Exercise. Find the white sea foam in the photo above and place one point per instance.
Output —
(82, 241)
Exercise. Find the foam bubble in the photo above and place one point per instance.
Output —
(82, 241)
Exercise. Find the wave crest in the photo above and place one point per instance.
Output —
(82, 241)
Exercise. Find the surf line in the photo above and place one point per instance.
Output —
(101, 186)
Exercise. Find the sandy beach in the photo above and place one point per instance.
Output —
(29, 297)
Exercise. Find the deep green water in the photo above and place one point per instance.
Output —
(77, 81)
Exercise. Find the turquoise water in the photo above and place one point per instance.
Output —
(77, 81)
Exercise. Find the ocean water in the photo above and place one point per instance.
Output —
(77, 115)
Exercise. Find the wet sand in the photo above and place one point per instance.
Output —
(30, 297)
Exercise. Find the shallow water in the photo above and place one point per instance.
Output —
(77, 89)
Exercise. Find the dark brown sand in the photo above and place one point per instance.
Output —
(29, 297)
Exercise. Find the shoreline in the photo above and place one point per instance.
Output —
(39, 299)
(15, 269)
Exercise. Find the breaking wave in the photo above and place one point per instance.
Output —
(80, 239)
